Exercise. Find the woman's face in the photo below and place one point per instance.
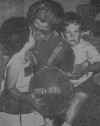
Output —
(41, 30)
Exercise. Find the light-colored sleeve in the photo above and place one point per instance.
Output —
(93, 54)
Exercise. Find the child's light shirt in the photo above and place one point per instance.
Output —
(85, 51)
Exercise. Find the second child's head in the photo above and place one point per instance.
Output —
(72, 28)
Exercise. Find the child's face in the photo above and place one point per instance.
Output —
(72, 33)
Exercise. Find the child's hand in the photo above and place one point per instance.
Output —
(80, 69)
(73, 75)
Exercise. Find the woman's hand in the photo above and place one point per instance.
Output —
(31, 42)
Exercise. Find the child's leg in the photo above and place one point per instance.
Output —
(75, 105)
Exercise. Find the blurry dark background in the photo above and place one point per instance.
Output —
(89, 9)
(19, 7)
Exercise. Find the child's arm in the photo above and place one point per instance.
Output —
(93, 61)
(12, 76)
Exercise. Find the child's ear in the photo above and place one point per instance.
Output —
(85, 33)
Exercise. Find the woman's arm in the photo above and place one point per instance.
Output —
(29, 45)
(74, 107)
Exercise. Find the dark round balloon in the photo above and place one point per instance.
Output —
(53, 91)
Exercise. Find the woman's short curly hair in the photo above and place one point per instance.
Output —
(46, 10)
